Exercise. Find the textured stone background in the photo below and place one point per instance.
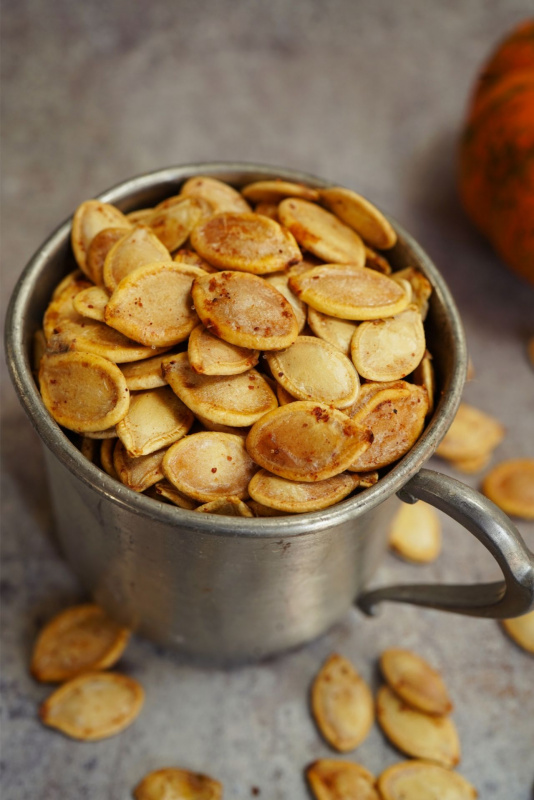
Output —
(369, 94)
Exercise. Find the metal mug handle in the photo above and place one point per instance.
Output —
(509, 598)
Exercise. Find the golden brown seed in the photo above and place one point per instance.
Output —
(93, 706)
(333, 779)
(389, 349)
(415, 682)
(91, 303)
(350, 292)
(321, 232)
(521, 630)
(472, 433)
(511, 486)
(420, 735)
(299, 496)
(98, 250)
(185, 256)
(245, 310)
(209, 355)
(79, 639)
(141, 246)
(177, 784)
(107, 448)
(245, 242)
(328, 442)
(338, 332)
(155, 419)
(83, 392)
(274, 191)
(90, 218)
(152, 304)
(312, 369)
(268, 210)
(421, 287)
(218, 427)
(235, 400)
(395, 414)
(280, 282)
(137, 473)
(146, 374)
(218, 194)
(342, 704)
(361, 215)
(171, 493)
(60, 311)
(207, 466)
(420, 780)
(374, 260)
(140, 216)
(72, 277)
(472, 465)
(415, 533)
(227, 507)
(173, 224)
(423, 375)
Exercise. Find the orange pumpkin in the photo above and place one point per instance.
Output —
(496, 177)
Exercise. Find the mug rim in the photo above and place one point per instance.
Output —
(269, 527)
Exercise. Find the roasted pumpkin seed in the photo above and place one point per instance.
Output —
(420, 780)
(177, 784)
(521, 630)
(321, 232)
(415, 533)
(333, 779)
(209, 355)
(389, 349)
(300, 496)
(361, 215)
(511, 486)
(415, 682)
(155, 419)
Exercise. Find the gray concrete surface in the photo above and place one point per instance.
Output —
(369, 94)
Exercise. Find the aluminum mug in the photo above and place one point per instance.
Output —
(227, 588)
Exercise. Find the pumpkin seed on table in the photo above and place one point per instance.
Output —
(155, 419)
(321, 232)
(91, 302)
(426, 736)
(174, 223)
(245, 242)
(415, 682)
(395, 414)
(221, 196)
(349, 292)
(245, 310)
(473, 464)
(300, 496)
(140, 472)
(209, 355)
(389, 349)
(98, 250)
(361, 215)
(415, 533)
(510, 485)
(234, 400)
(226, 507)
(93, 706)
(421, 780)
(90, 218)
(333, 779)
(335, 331)
(177, 784)
(83, 392)
(521, 630)
(342, 704)
(208, 466)
(473, 433)
(138, 248)
(332, 441)
(76, 640)
(152, 304)
(312, 369)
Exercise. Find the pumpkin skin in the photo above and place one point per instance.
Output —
(496, 165)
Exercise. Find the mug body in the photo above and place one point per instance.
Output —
(224, 588)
